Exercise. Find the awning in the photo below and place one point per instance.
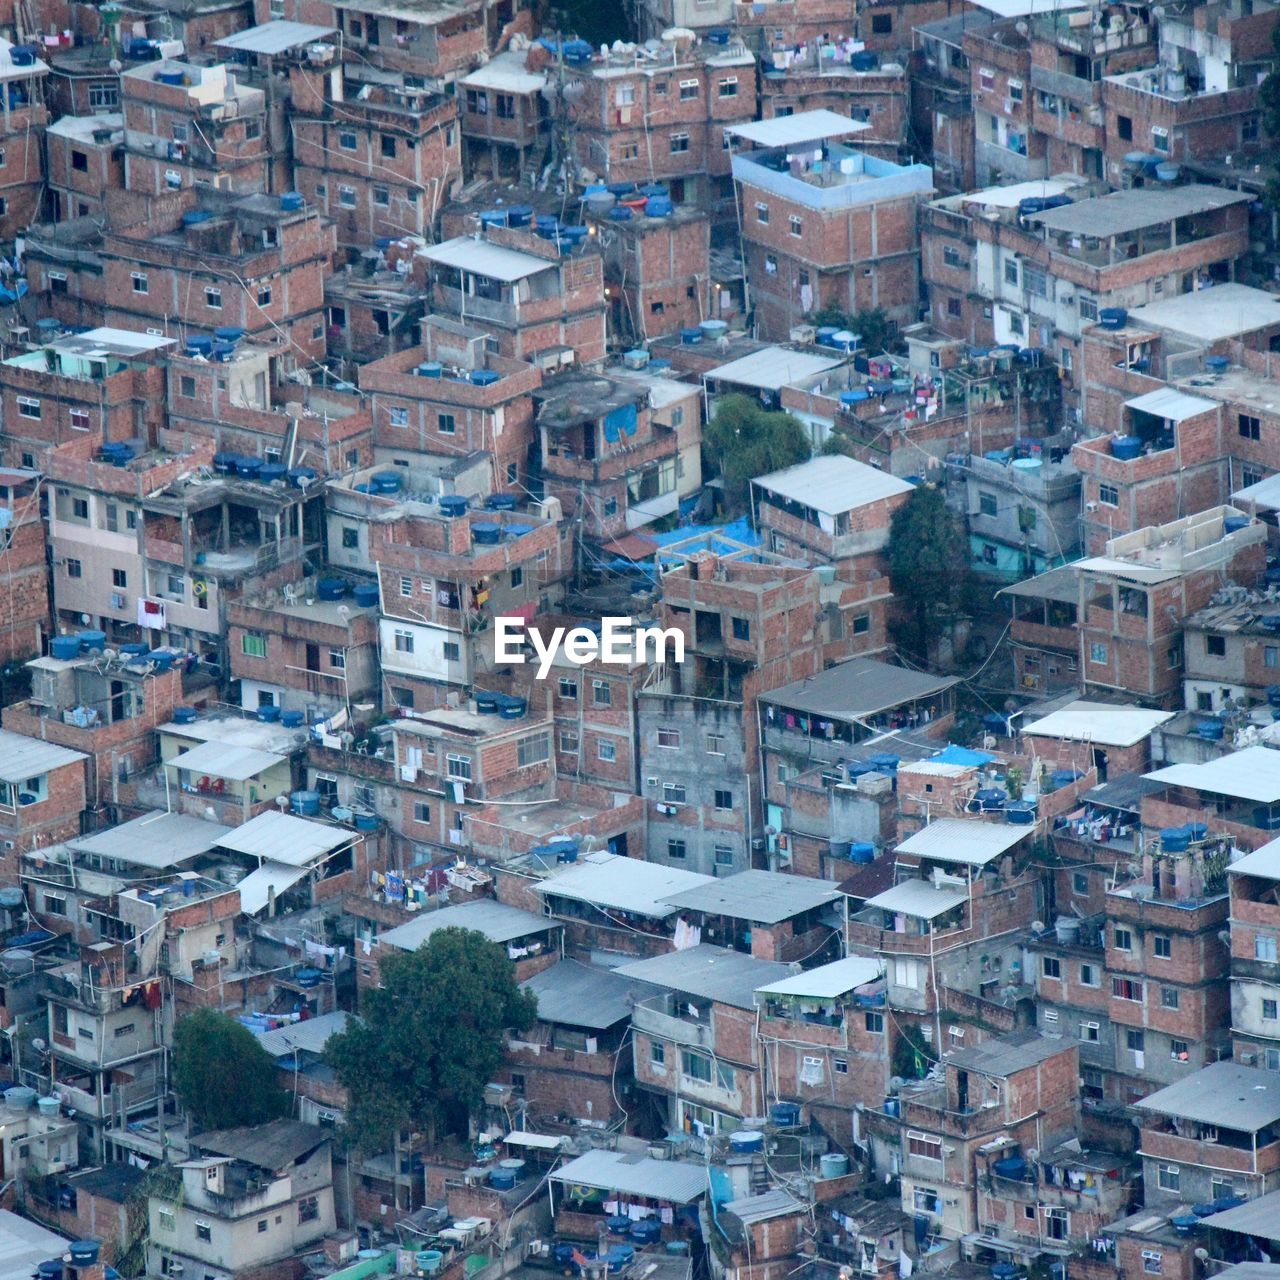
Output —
(536, 1141)
(255, 888)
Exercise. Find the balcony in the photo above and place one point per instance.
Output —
(667, 1018)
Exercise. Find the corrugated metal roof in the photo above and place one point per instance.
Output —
(497, 921)
(828, 981)
(281, 837)
(1266, 493)
(1263, 863)
(255, 888)
(310, 1036)
(506, 72)
(1172, 404)
(534, 1141)
(1124, 792)
(833, 485)
(772, 368)
(1147, 574)
(1008, 1054)
(582, 995)
(1059, 584)
(624, 884)
(711, 973)
(1251, 774)
(1227, 1094)
(274, 1145)
(803, 126)
(766, 897)
(957, 840)
(275, 37)
(857, 688)
(917, 898)
(155, 840)
(1121, 212)
(223, 760)
(484, 259)
(22, 757)
(1260, 1217)
(635, 1175)
(1102, 722)
(769, 1204)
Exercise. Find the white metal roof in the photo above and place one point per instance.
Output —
(833, 485)
(773, 367)
(917, 898)
(1228, 1094)
(624, 884)
(24, 1245)
(828, 980)
(1266, 493)
(1251, 774)
(1149, 574)
(155, 840)
(224, 760)
(1209, 315)
(481, 258)
(710, 973)
(1171, 404)
(961, 840)
(535, 1141)
(1025, 8)
(280, 837)
(496, 920)
(256, 886)
(22, 757)
(804, 126)
(1263, 863)
(765, 897)
(1100, 722)
(275, 37)
(507, 73)
(638, 1176)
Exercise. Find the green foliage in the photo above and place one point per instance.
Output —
(429, 1038)
(912, 1057)
(744, 440)
(223, 1076)
(879, 333)
(928, 566)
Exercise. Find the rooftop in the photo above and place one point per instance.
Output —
(833, 484)
(1260, 1217)
(273, 1146)
(309, 1036)
(624, 884)
(841, 178)
(1263, 862)
(1251, 774)
(710, 973)
(1008, 1054)
(764, 897)
(773, 368)
(827, 981)
(961, 840)
(156, 840)
(281, 837)
(581, 995)
(24, 1245)
(637, 1175)
(506, 72)
(275, 37)
(1112, 726)
(1125, 211)
(1211, 315)
(1227, 1094)
(481, 258)
(225, 760)
(803, 126)
(89, 129)
(917, 898)
(1170, 404)
(497, 921)
(858, 688)
(23, 758)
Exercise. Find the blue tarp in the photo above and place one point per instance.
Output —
(962, 755)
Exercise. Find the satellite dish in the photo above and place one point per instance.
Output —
(39, 1045)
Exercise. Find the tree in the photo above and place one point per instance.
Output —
(744, 440)
(877, 331)
(223, 1076)
(429, 1038)
(928, 565)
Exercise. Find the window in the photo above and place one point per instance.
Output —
(569, 741)
(724, 799)
(74, 569)
(350, 538)
(568, 688)
(715, 744)
(387, 147)
(1088, 975)
(264, 295)
(141, 284)
(381, 197)
(657, 1053)
(1169, 998)
(729, 88)
(104, 97)
(1162, 946)
(458, 767)
(669, 738)
(1090, 1032)
(723, 855)
(688, 89)
(676, 849)
(337, 660)
(1152, 1259)
(1269, 1011)
(213, 299)
(762, 212)
(119, 578)
(873, 1022)
(606, 752)
(1010, 271)
(1051, 966)
(1088, 308)
(1098, 654)
(1179, 1050)
(602, 693)
(770, 264)
(56, 906)
(125, 1029)
(924, 1145)
(796, 225)
(347, 140)
(1173, 656)
(629, 151)
(679, 143)
(28, 408)
(955, 308)
(1249, 426)
(421, 811)
(741, 629)
(446, 424)
(951, 256)
(404, 641)
(1127, 989)
(988, 504)
(253, 644)
(1124, 128)
(203, 1231)
(1264, 949)
(309, 1209)
(166, 1220)
(986, 79)
(696, 1066)
(1015, 90)
(263, 1223)
(1135, 1041)
(347, 196)
(1159, 138)
(406, 586)
(882, 24)
(1079, 883)
(1108, 495)
(674, 792)
(533, 750)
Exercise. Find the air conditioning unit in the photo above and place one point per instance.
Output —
(1249, 1059)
